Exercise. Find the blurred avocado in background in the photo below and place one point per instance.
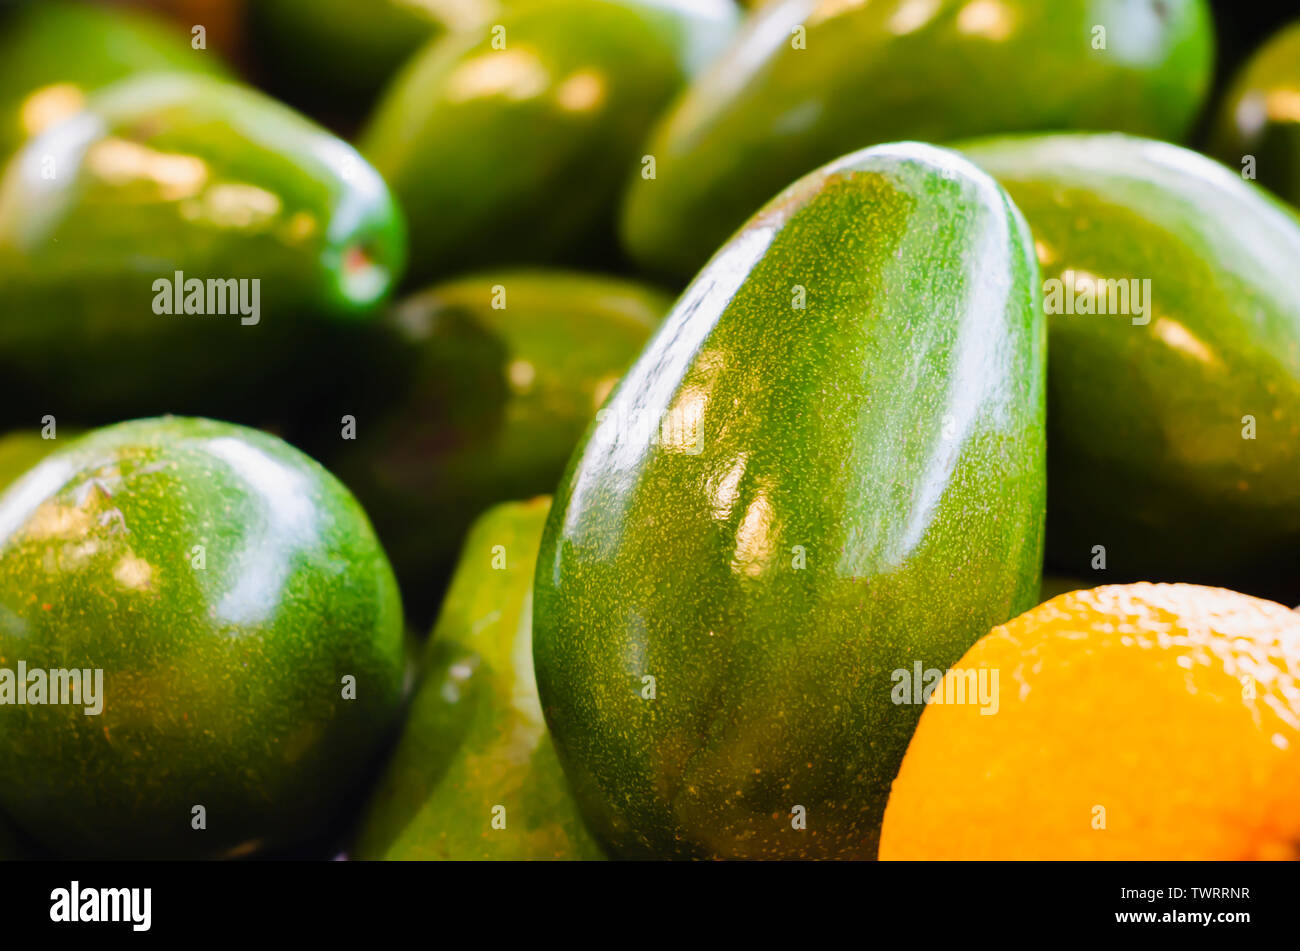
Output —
(502, 373)
(338, 54)
(509, 144)
(1260, 116)
(185, 244)
(1242, 26)
(809, 80)
(475, 774)
(1173, 360)
(22, 449)
(54, 53)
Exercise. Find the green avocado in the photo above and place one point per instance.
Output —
(54, 53)
(509, 144)
(1259, 119)
(827, 466)
(504, 371)
(245, 623)
(809, 80)
(475, 774)
(343, 51)
(1174, 389)
(184, 244)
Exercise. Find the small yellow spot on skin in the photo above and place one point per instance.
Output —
(833, 8)
(583, 91)
(1284, 105)
(48, 105)
(990, 19)
(912, 15)
(121, 163)
(301, 227)
(602, 390)
(244, 207)
(58, 521)
(133, 573)
(515, 74)
(1180, 338)
(522, 374)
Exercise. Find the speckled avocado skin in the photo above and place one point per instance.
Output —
(781, 506)
(1153, 452)
(809, 80)
(223, 665)
(175, 173)
(515, 154)
(475, 748)
(53, 54)
(1260, 116)
(506, 370)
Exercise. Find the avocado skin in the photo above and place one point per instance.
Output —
(340, 53)
(1146, 450)
(890, 435)
(1260, 116)
(494, 401)
(222, 685)
(767, 112)
(475, 738)
(176, 173)
(69, 50)
(517, 155)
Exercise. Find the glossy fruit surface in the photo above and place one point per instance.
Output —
(1131, 722)
(347, 49)
(510, 144)
(54, 54)
(475, 774)
(507, 370)
(1260, 116)
(828, 463)
(175, 174)
(809, 80)
(226, 586)
(1175, 425)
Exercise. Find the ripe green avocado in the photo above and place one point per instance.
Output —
(475, 774)
(504, 371)
(343, 51)
(155, 202)
(1174, 437)
(826, 466)
(509, 144)
(54, 53)
(228, 588)
(809, 80)
(1260, 116)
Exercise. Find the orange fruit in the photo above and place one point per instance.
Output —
(1134, 721)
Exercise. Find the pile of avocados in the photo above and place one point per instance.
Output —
(539, 429)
